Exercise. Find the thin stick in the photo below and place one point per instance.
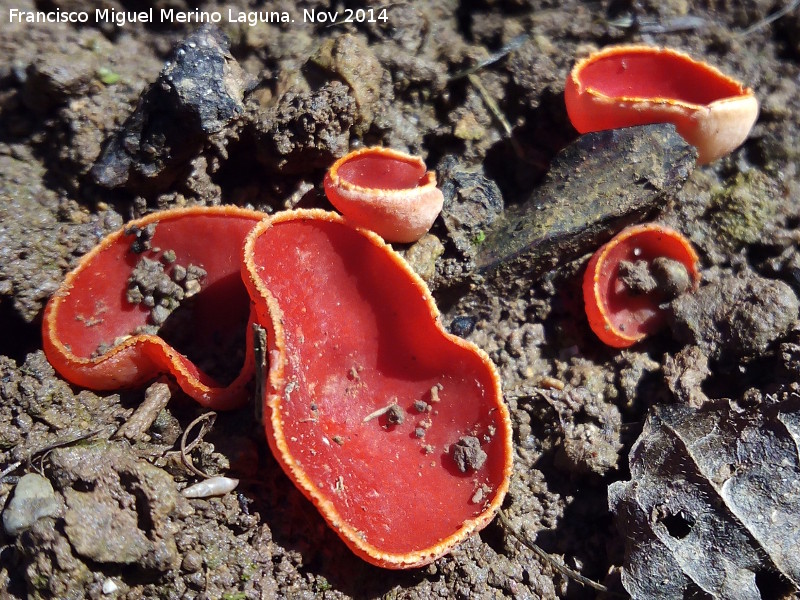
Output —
(379, 412)
(498, 114)
(490, 103)
(156, 398)
(260, 355)
(9, 469)
(558, 566)
(494, 57)
(769, 19)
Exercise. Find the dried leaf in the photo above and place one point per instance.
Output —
(713, 506)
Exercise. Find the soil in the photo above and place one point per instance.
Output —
(102, 123)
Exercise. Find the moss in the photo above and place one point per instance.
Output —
(322, 585)
(107, 76)
(248, 572)
(743, 208)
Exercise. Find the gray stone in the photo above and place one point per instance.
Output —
(594, 188)
(33, 499)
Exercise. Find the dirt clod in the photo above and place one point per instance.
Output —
(396, 415)
(107, 490)
(468, 455)
(735, 316)
(637, 277)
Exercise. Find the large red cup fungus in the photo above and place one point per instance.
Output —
(385, 191)
(393, 428)
(628, 279)
(621, 86)
(99, 329)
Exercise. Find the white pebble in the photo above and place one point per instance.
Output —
(110, 586)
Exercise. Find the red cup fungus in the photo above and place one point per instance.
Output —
(100, 329)
(626, 85)
(395, 429)
(628, 279)
(385, 191)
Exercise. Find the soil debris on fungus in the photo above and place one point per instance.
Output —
(162, 292)
(468, 454)
(668, 276)
(142, 237)
(629, 280)
(124, 348)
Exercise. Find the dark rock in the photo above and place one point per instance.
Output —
(462, 325)
(472, 202)
(735, 317)
(198, 93)
(595, 187)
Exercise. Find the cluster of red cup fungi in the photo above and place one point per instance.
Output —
(626, 85)
(395, 429)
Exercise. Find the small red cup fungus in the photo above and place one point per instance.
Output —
(621, 86)
(628, 279)
(385, 191)
(395, 429)
(99, 329)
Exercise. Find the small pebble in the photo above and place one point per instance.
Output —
(192, 562)
(110, 586)
(33, 499)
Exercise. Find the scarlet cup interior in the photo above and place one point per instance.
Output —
(654, 74)
(381, 172)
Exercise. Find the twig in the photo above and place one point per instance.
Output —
(655, 26)
(769, 19)
(490, 103)
(9, 469)
(493, 57)
(558, 566)
(42, 453)
(207, 420)
(380, 412)
(498, 114)
(155, 399)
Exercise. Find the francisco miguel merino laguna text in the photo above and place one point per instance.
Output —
(169, 15)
